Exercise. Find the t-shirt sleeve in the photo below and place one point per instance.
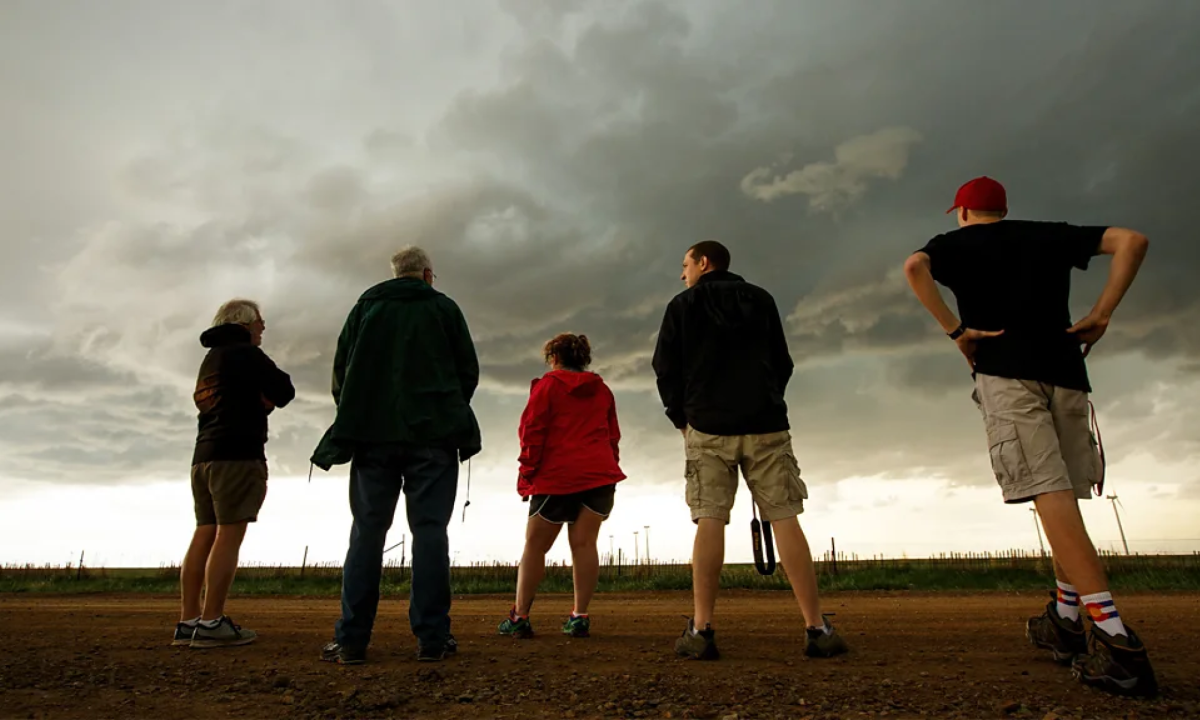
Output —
(943, 263)
(1076, 245)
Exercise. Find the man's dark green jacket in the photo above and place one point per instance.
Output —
(404, 372)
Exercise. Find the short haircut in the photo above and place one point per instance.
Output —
(717, 254)
(989, 213)
(571, 351)
(238, 311)
(410, 261)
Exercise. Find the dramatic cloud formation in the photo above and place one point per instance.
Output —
(832, 185)
(556, 159)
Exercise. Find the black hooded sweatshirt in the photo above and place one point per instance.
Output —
(235, 378)
(722, 359)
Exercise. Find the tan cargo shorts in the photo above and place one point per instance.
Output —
(228, 491)
(767, 463)
(1039, 437)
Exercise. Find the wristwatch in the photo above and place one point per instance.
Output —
(958, 332)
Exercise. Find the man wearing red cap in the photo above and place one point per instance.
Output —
(1012, 280)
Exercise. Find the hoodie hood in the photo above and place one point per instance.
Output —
(581, 384)
(404, 289)
(727, 309)
(228, 334)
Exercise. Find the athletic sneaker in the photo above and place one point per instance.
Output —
(337, 653)
(818, 643)
(697, 645)
(517, 627)
(225, 634)
(1051, 631)
(183, 634)
(579, 627)
(1117, 663)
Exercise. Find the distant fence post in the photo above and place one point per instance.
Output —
(833, 554)
(619, 558)
(304, 562)
(79, 571)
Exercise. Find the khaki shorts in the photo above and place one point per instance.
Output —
(228, 491)
(1039, 437)
(767, 463)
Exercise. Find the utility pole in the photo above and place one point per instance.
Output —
(647, 541)
(636, 559)
(1113, 498)
(1037, 525)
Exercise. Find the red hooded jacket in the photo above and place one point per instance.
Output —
(569, 435)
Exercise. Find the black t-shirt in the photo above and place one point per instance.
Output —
(1015, 276)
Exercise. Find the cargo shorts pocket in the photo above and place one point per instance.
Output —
(1008, 459)
(691, 483)
(797, 491)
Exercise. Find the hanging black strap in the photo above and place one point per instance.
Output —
(1098, 487)
(467, 504)
(760, 534)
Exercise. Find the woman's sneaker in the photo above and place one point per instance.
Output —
(697, 644)
(824, 642)
(516, 626)
(183, 634)
(577, 626)
(225, 634)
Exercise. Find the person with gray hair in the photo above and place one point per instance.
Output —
(403, 377)
(237, 387)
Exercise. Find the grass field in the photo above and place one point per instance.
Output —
(1002, 571)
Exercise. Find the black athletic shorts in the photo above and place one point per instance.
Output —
(560, 509)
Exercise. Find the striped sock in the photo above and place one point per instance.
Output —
(1068, 602)
(1103, 613)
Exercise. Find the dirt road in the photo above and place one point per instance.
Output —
(913, 655)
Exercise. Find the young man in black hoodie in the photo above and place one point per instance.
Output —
(237, 387)
(722, 364)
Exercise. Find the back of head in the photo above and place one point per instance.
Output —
(716, 254)
(238, 311)
(410, 261)
(568, 351)
(980, 200)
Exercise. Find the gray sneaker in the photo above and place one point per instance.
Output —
(225, 634)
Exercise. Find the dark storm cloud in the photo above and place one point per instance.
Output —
(820, 141)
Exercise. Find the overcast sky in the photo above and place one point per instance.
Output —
(556, 158)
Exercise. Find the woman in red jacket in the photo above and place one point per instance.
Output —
(569, 474)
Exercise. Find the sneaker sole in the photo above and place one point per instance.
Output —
(342, 661)
(1130, 686)
(577, 634)
(709, 653)
(181, 643)
(211, 644)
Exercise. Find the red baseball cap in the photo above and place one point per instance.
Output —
(982, 193)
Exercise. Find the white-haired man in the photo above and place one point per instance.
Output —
(403, 377)
(237, 387)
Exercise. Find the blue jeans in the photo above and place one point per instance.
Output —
(428, 477)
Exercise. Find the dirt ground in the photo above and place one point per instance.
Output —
(912, 655)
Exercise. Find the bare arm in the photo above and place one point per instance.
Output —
(1128, 248)
(920, 279)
